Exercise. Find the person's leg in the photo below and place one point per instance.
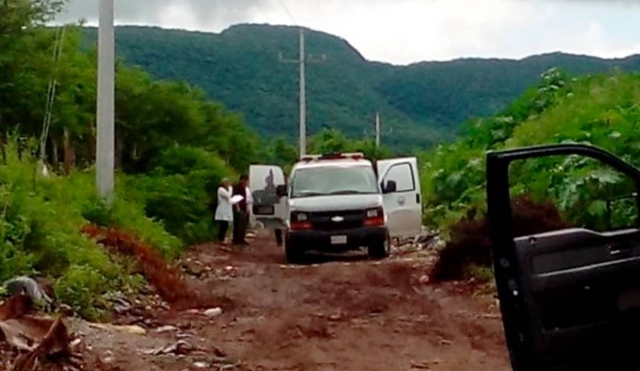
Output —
(278, 232)
(238, 237)
(222, 230)
(245, 226)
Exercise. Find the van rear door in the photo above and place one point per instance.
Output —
(268, 208)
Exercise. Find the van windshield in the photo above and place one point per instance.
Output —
(334, 180)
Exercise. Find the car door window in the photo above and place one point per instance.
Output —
(402, 175)
(585, 192)
(569, 297)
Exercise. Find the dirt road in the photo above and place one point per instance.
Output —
(349, 314)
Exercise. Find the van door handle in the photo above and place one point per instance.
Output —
(620, 248)
(417, 198)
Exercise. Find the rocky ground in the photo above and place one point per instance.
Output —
(347, 313)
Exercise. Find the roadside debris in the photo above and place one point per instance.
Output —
(427, 240)
(425, 365)
(39, 291)
(213, 312)
(131, 329)
(38, 339)
(180, 347)
(167, 328)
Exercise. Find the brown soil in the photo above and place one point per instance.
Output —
(348, 314)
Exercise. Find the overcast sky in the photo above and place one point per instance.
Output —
(405, 31)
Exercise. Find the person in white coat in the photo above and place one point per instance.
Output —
(224, 210)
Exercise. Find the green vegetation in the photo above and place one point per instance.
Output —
(601, 110)
(420, 105)
(173, 145)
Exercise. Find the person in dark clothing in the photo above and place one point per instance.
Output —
(278, 231)
(240, 212)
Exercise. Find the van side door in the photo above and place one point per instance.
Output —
(400, 183)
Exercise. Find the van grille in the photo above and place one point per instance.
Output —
(322, 221)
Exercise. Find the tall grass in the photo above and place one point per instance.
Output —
(40, 222)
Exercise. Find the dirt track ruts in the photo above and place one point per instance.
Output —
(349, 314)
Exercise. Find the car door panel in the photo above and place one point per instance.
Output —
(570, 299)
(268, 208)
(402, 207)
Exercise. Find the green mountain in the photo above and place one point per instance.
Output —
(420, 104)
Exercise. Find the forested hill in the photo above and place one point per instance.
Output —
(419, 103)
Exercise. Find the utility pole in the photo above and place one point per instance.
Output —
(105, 102)
(302, 60)
(377, 129)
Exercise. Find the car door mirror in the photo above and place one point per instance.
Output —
(389, 187)
(281, 190)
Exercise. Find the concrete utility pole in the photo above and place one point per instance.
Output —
(105, 102)
(377, 129)
(302, 60)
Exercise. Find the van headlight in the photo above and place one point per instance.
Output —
(375, 217)
(374, 213)
(299, 217)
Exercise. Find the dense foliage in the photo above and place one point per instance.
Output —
(420, 104)
(173, 145)
(600, 110)
(169, 131)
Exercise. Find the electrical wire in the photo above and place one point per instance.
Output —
(51, 90)
(293, 19)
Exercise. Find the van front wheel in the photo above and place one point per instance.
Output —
(380, 249)
(293, 253)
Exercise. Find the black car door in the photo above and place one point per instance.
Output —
(570, 299)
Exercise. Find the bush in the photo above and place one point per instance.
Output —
(179, 191)
(468, 252)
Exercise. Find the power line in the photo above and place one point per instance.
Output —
(293, 19)
(51, 90)
(224, 2)
(302, 60)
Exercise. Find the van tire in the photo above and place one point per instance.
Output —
(293, 254)
(380, 249)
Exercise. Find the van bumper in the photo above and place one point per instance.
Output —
(333, 241)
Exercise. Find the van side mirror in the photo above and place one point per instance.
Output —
(281, 190)
(389, 187)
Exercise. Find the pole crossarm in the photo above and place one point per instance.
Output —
(302, 60)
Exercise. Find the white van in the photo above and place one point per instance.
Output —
(338, 202)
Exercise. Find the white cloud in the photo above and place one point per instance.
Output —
(588, 38)
(412, 30)
(405, 31)
(179, 16)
